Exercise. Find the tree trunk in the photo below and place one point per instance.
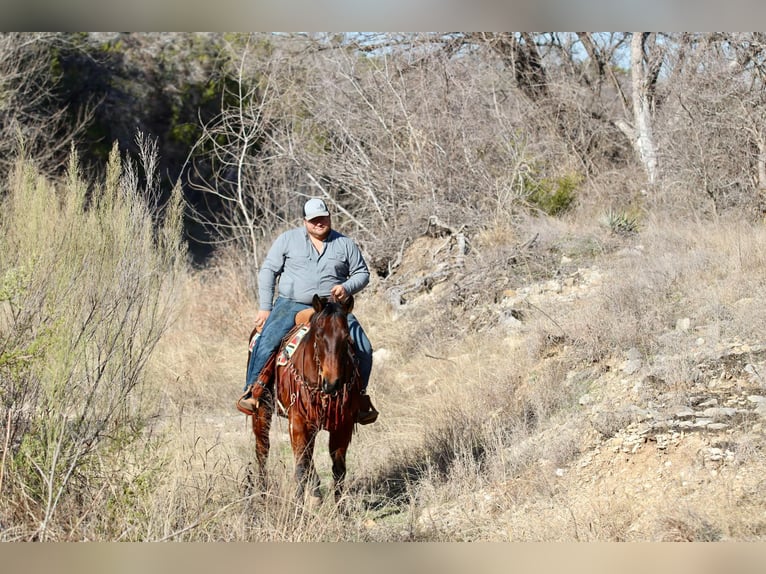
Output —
(761, 164)
(643, 87)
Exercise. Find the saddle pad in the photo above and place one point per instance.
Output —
(253, 340)
(292, 343)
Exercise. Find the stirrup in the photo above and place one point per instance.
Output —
(367, 414)
(367, 417)
(246, 404)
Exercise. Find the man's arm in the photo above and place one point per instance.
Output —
(271, 268)
(358, 273)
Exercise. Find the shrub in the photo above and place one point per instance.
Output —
(87, 284)
(621, 222)
(554, 196)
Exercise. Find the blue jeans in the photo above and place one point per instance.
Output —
(279, 323)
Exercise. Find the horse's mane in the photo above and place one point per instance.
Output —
(330, 307)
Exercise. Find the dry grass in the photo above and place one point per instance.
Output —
(88, 278)
(490, 429)
(482, 435)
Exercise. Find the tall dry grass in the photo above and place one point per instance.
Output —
(708, 272)
(482, 434)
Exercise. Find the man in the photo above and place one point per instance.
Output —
(312, 258)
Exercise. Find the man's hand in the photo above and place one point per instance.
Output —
(260, 319)
(339, 292)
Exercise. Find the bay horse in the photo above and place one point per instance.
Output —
(317, 388)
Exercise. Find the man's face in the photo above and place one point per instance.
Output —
(319, 227)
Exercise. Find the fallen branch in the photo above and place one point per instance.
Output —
(5, 448)
(438, 358)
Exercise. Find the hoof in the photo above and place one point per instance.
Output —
(313, 502)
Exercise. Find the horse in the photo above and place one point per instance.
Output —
(318, 387)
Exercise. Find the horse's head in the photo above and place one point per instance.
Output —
(331, 342)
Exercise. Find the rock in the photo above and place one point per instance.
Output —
(631, 366)
(715, 453)
(633, 363)
(553, 286)
(719, 412)
(381, 355)
(661, 426)
(712, 402)
(683, 324)
(700, 424)
(633, 354)
(640, 414)
(753, 372)
(511, 318)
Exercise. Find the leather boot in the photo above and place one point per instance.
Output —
(367, 414)
(248, 402)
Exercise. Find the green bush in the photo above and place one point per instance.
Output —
(87, 287)
(553, 196)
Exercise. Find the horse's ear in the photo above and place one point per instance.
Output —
(317, 303)
(348, 304)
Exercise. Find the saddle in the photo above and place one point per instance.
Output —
(304, 317)
(267, 374)
(367, 413)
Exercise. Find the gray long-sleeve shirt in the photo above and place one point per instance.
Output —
(303, 272)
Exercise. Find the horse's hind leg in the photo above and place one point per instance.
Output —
(261, 429)
(339, 441)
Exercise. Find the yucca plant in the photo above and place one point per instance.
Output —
(621, 222)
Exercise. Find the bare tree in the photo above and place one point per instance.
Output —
(388, 137)
(242, 165)
(712, 126)
(565, 74)
(31, 120)
(644, 68)
(392, 129)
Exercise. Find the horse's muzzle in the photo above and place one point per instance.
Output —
(330, 387)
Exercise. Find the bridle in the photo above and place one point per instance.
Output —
(346, 357)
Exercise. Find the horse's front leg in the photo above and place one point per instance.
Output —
(261, 429)
(339, 441)
(302, 438)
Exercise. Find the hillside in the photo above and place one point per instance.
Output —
(645, 453)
